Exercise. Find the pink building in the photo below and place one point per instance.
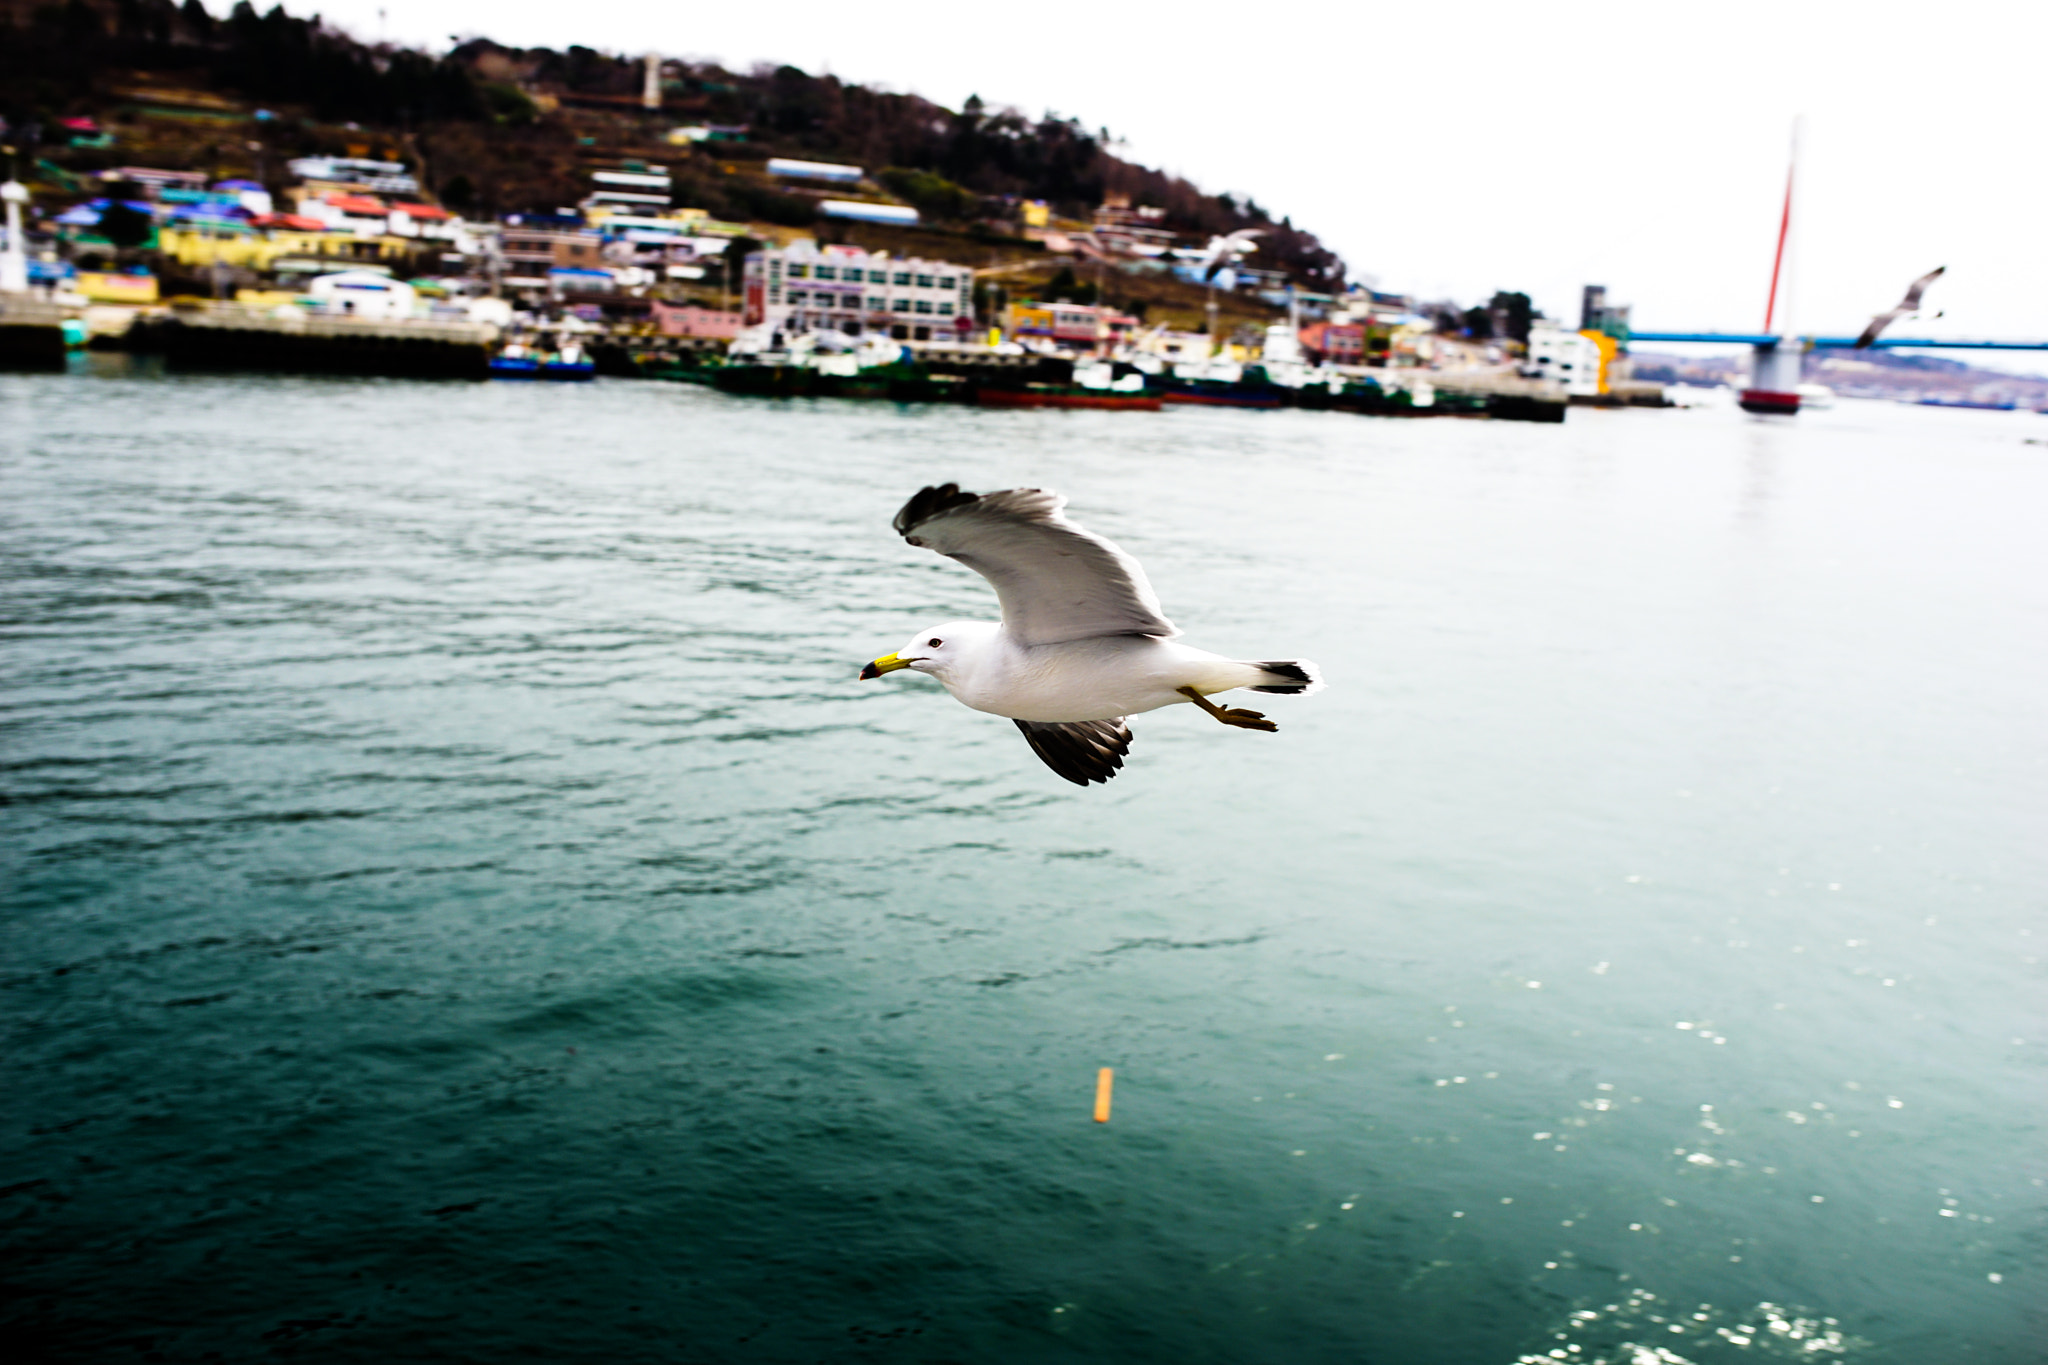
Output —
(1339, 343)
(692, 321)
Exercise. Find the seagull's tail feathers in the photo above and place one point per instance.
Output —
(1292, 677)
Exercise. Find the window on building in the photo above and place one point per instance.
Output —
(901, 305)
(924, 305)
(878, 305)
(924, 282)
(797, 298)
(878, 277)
(902, 277)
(946, 309)
(798, 272)
(826, 272)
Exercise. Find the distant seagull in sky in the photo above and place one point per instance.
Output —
(1909, 304)
(1224, 250)
(1083, 642)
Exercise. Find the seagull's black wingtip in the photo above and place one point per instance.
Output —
(1080, 751)
(928, 502)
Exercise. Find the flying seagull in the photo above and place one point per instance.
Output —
(1224, 250)
(1083, 642)
(1909, 304)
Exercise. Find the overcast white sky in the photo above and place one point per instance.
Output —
(1452, 149)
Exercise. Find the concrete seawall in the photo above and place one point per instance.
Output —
(32, 333)
(230, 337)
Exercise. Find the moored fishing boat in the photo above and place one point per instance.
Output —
(1222, 383)
(1067, 396)
(685, 367)
(571, 362)
(766, 378)
(1221, 394)
(2006, 405)
(515, 361)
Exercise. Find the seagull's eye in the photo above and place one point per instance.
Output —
(935, 642)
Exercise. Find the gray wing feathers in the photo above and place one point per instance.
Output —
(1080, 751)
(1877, 324)
(1919, 287)
(1909, 304)
(1056, 581)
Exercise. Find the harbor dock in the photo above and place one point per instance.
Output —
(227, 336)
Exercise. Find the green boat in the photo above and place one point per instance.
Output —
(775, 379)
(898, 381)
(686, 367)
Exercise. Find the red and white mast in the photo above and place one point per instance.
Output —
(1775, 366)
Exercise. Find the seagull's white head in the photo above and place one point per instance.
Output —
(936, 650)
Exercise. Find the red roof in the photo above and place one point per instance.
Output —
(357, 203)
(425, 211)
(288, 220)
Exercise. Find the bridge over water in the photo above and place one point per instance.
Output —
(1774, 371)
(1767, 342)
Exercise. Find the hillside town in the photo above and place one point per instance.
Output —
(625, 272)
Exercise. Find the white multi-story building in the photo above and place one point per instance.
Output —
(378, 177)
(804, 287)
(1565, 357)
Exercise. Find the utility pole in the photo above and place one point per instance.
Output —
(1102, 333)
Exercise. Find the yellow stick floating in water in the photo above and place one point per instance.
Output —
(1102, 1084)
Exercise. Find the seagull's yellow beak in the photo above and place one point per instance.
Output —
(888, 663)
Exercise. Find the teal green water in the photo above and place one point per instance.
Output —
(459, 904)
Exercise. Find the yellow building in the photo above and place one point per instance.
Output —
(251, 250)
(1609, 349)
(107, 287)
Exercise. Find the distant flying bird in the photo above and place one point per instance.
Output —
(1082, 643)
(1909, 304)
(1224, 250)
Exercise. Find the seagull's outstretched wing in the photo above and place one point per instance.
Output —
(1056, 581)
(1877, 324)
(1081, 751)
(1223, 250)
(1909, 304)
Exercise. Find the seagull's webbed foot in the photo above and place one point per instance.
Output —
(1242, 719)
